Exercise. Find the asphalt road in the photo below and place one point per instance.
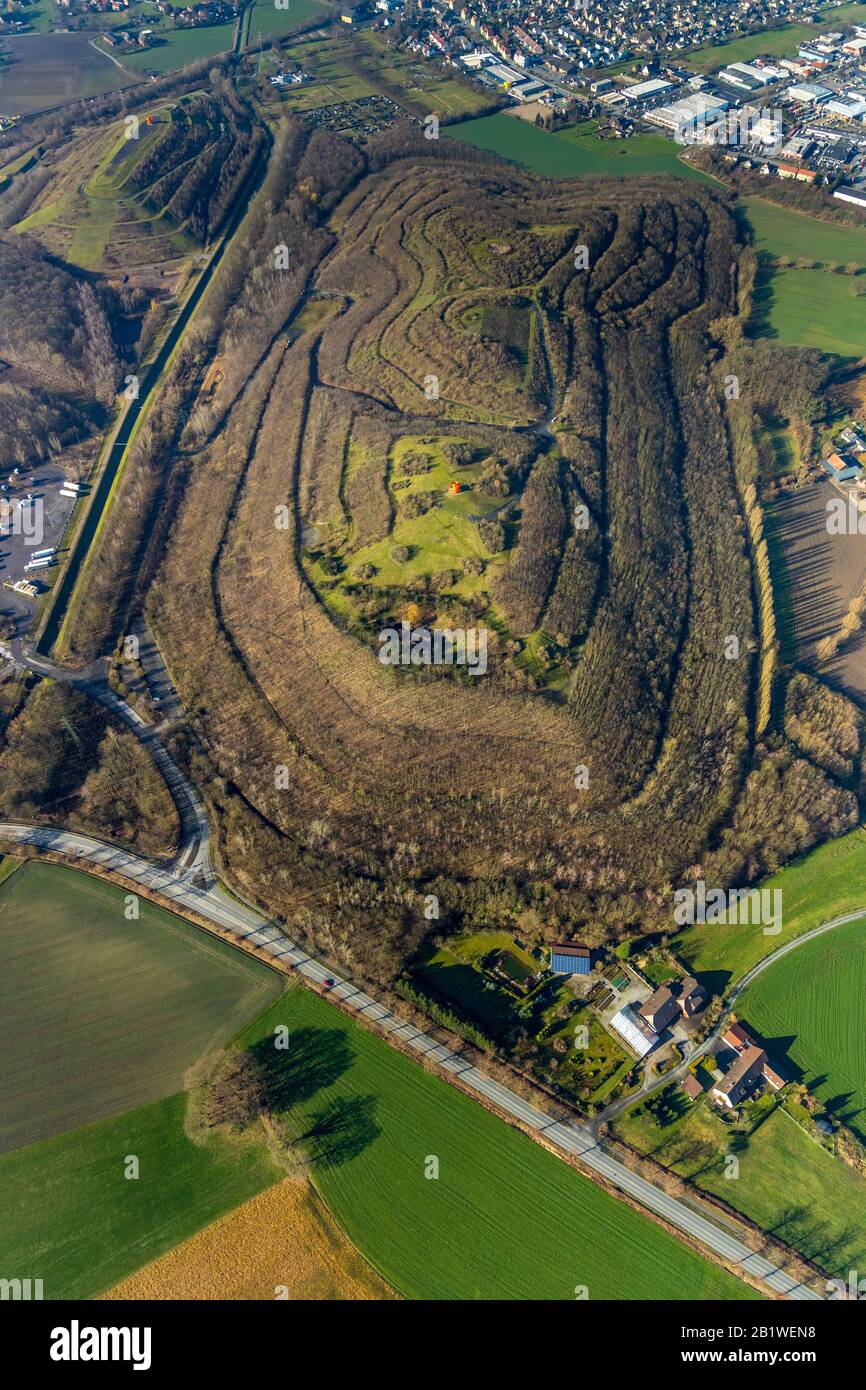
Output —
(178, 886)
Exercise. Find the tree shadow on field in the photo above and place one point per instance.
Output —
(341, 1132)
(313, 1060)
(799, 1227)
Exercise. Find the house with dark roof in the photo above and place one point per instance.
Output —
(740, 1080)
(692, 997)
(752, 1065)
(660, 1009)
(570, 960)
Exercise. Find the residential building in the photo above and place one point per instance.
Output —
(692, 997)
(660, 1009)
(741, 1079)
(692, 1086)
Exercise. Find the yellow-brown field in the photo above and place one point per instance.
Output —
(282, 1243)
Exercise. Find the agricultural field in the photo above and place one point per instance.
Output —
(99, 1013)
(781, 231)
(269, 22)
(573, 152)
(178, 47)
(827, 883)
(817, 577)
(69, 1211)
(284, 1238)
(787, 1182)
(504, 1219)
(809, 1005)
(804, 303)
(47, 70)
(812, 308)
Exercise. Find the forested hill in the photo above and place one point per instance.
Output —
(60, 364)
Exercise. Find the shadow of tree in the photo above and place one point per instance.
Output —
(341, 1132)
(313, 1060)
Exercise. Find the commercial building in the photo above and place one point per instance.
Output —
(643, 91)
(809, 93)
(687, 113)
(845, 194)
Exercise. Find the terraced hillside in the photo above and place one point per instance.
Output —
(559, 352)
(147, 189)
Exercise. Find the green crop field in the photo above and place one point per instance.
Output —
(99, 1013)
(783, 232)
(811, 308)
(180, 47)
(786, 1182)
(571, 152)
(71, 1217)
(829, 882)
(810, 1005)
(504, 1219)
(269, 22)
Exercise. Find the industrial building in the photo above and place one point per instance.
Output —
(642, 91)
(687, 113)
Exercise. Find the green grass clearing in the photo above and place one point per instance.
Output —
(828, 882)
(786, 1182)
(809, 1006)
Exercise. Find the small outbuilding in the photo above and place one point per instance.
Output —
(570, 960)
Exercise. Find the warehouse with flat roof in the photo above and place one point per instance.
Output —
(641, 91)
(689, 112)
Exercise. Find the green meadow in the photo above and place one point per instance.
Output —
(785, 1181)
(572, 152)
(828, 882)
(772, 43)
(809, 1006)
(811, 308)
(178, 47)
